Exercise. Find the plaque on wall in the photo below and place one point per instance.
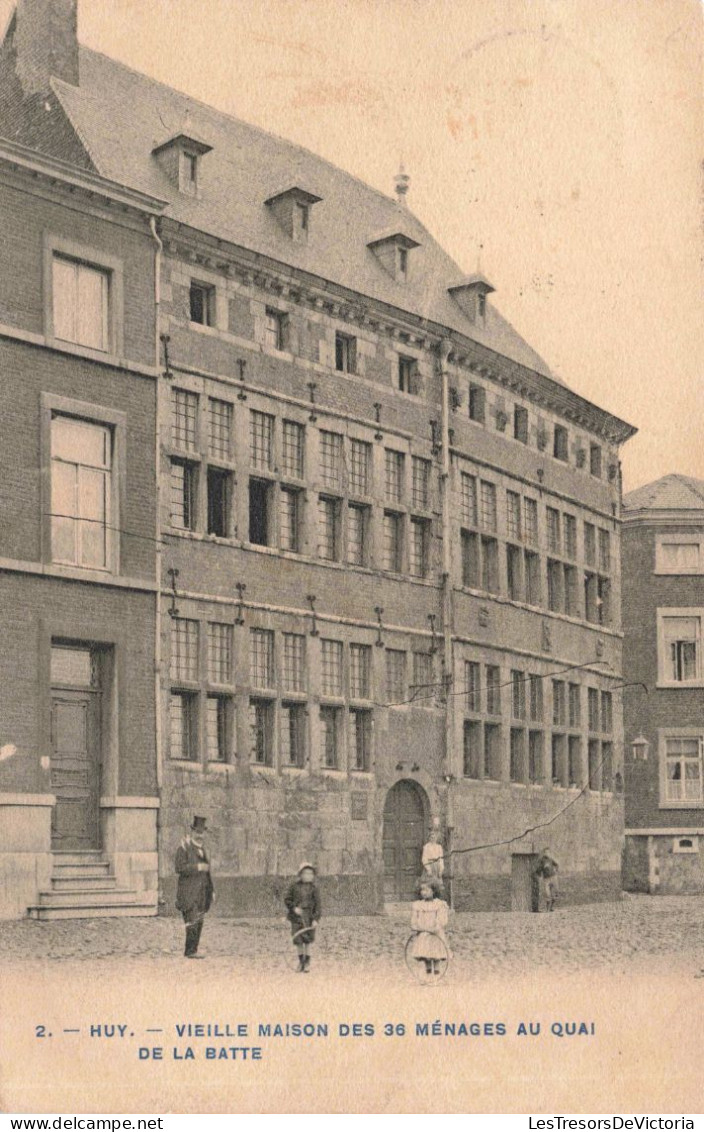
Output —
(359, 807)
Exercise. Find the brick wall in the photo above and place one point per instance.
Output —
(21, 264)
(34, 610)
(644, 592)
(25, 373)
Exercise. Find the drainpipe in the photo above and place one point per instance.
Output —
(447, 609)
(158, 251)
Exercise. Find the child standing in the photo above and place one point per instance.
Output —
(303, 903)
(429, 916)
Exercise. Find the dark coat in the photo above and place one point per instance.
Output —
(195, 889)
(307, 898)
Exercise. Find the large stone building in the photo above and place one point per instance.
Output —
(387, 537)
(663, 611)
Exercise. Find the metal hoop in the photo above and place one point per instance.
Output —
(291, 954)
(418, 967)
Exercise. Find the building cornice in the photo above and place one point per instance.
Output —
(299, 286)
(69, 179)
(680, 517)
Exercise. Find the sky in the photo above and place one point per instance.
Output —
(557, 144)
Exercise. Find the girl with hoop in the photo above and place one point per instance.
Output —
(429, 916)
(303, 903)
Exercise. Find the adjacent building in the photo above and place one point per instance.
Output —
(369, 544)
(663, 612)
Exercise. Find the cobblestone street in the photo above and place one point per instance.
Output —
(622, 976)
(638, 935)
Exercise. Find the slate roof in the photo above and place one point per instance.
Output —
(670, 493)
(121, 115)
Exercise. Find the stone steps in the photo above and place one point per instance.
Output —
(83, 888)
(89, 911)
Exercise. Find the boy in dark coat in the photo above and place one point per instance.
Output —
(194, 893)
(303, 903)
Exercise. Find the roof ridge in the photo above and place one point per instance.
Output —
(250, 126)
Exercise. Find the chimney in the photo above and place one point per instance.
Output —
(45, 40)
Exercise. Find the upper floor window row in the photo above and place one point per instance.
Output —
(559, 442)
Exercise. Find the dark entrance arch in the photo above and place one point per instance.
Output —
(404, 833)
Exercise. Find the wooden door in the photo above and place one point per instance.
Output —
(403, 839)
(524, 886)
(75, 770)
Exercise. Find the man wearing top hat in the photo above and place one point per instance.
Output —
(194, 894)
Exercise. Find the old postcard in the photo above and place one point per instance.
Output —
(351, 556)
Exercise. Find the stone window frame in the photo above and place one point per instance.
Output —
(204, 686)
(54, 405)
(57, 246)
(677, 539)
(199, 460)
(663, 734)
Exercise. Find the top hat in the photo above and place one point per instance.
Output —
(198, 824)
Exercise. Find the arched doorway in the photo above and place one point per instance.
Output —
(403, 837)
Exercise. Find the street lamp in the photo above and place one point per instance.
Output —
(639, 749)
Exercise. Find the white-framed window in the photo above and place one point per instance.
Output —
(81, 492)
(680, 647)
(681, 757)
(679, 554)
(81, 294)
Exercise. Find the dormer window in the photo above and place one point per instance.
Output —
(188, 174)
(392, 249)
(300, 227)
(292, 209)
(180, 158)
(470, 295)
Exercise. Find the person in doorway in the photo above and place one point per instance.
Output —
(429, 916)
(195, 892)
(303, 905)
(433, 856)
(546, 869)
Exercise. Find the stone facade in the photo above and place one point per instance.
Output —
(267, 815)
